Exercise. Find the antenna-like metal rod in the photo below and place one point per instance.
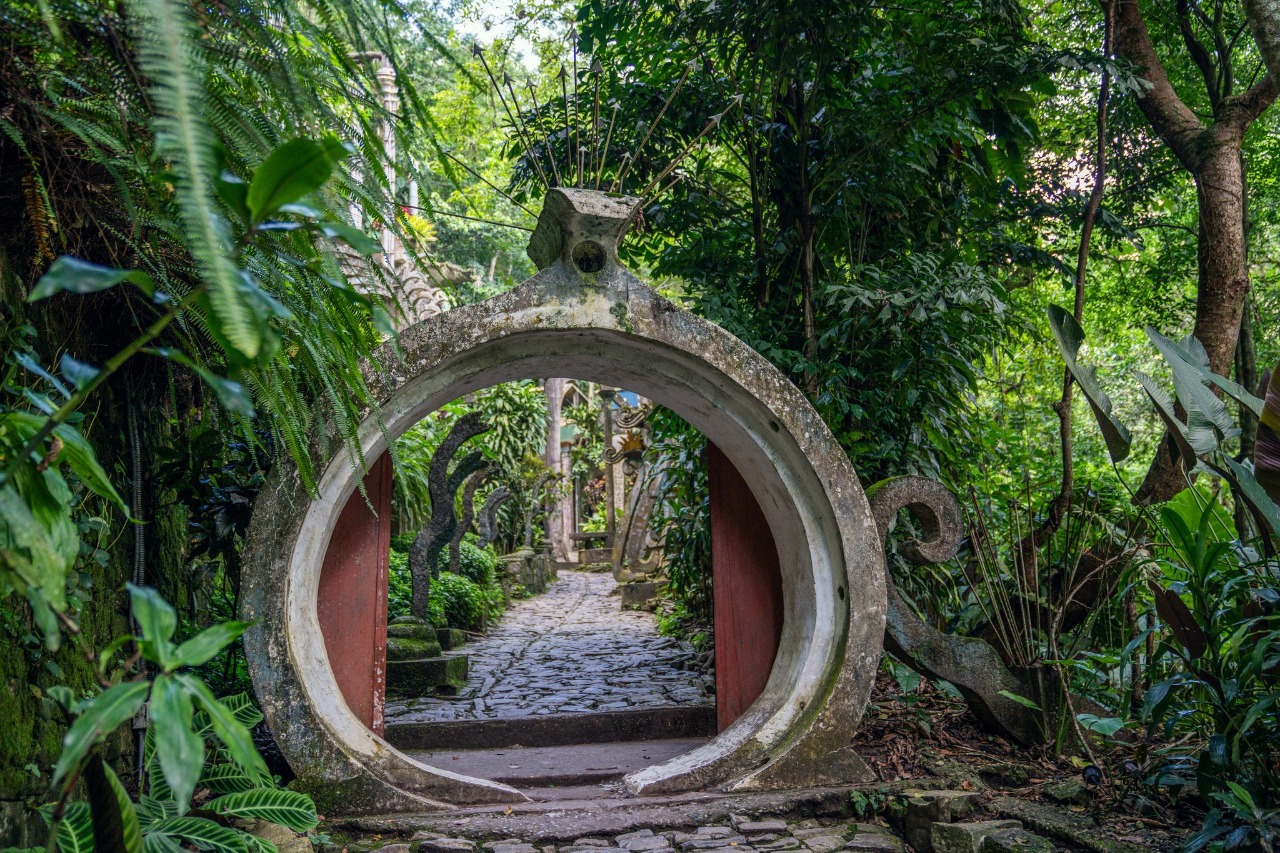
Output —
(537, 115)
(481, 177)
(622, 176)
(478, 51)
(564, 100)
(577, 115)
(596, 70)
(714, 121)
(525, 135)
(607, 139)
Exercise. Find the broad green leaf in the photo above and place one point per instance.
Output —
(1198, 361)
(73, 275)
(157, 621)
(292, 171)
(103, 715)
(1105, 726)
(1208, 421)
(179, 750)
(1177, 430)
(233, 734)
(76, 452)
(352, 236)
(203, 646)
(203, 833)
(77, 372)
(276, 805)
(1069, 336)
(154, 842)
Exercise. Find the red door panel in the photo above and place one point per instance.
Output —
(353, 597)
(747, 584)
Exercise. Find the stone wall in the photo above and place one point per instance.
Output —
(528, 570)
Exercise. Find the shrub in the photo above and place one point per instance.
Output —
(462, 600)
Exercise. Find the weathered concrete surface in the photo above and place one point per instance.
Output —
(969, 663)
(604, 326)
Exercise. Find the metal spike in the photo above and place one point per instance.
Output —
(622, 176)
(525, 134)
(604, 155)
(564, 100)
(511, 117)
(577, 115)
(537, 114)
(712, 122)
(596, 70)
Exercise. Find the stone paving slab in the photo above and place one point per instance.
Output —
(572, 649)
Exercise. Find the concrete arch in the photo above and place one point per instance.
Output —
(608, 327)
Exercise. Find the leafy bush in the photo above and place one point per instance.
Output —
(480, 565)
(462, 600)
(1215, 675)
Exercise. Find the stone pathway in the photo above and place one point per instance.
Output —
(570, 650)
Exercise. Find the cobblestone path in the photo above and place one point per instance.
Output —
(571, 649)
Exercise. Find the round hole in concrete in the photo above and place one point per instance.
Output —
(588, 256)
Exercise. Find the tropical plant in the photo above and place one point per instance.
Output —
(193, 740)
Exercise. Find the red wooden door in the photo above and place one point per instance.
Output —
(353, 597)
(747, 585)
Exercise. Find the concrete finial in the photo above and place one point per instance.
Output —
(582, 228)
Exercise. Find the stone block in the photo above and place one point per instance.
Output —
(638, 594)
(592, 842)
(20, 826)
(399, 847)
(451, 638)
(824, 843)
(918, 811)
(1069, 792)
(284, 839)
(747, 827)
(875, 842)
(411, 648)
(1016, 841)
(966, 837)
(411, 628)
(446, 845)
(421, 677)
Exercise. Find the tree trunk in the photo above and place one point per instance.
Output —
(1212, 155)
(1223, 282)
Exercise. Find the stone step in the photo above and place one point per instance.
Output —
(555, 821)
(424, 676)
(583, 764)
(660, 723)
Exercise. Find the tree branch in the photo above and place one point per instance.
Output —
(1172, 119)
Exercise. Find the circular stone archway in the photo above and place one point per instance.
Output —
(602, 325)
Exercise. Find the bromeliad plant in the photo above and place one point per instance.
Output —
(193, 740)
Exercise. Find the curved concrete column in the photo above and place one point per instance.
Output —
(603, 325)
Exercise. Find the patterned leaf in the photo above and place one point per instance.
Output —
(203, 833)
(276, 805)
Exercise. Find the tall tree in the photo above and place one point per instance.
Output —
(1209, 149)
